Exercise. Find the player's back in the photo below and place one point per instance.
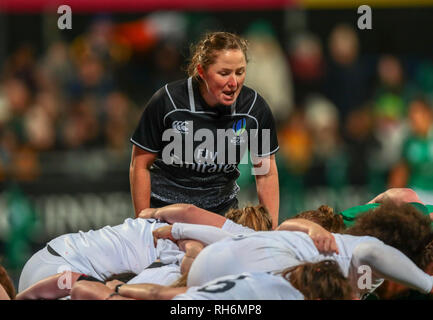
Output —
(127, 247)
(245, 286)
(267, 251)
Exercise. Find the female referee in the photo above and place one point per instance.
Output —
(194, 132)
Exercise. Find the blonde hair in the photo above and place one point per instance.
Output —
(254, 217)
(205, 52)
(180, 282)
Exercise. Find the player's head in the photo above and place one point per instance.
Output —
(322, 280)
(254, 217)
(6, 283)
(219, 63)
(325, 217)
(401, 226)
(420, 116)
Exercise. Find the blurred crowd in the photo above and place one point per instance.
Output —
(343, 117)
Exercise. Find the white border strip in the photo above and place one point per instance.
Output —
(166, 89)
(142, 147)
(254, 101)
(268, 154)
(191, 94)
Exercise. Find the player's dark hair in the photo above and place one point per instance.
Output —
(322, 280)
(206, 51)
(401, 226)
(325, 217)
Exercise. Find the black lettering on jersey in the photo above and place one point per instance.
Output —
(221, 286)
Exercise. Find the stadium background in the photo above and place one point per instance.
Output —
(70, 99)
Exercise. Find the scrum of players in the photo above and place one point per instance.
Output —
(181, 252)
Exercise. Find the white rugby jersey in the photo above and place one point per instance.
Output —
(263, 251)
(276, 250)
(127, 247)
(245, 286)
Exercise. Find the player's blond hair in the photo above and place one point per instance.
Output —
(254, 217)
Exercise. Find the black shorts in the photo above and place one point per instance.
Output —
(221, 209)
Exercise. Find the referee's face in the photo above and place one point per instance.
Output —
(223, 80)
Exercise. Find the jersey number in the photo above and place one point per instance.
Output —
(221, 286)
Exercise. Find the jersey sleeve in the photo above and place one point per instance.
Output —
(235, 228)
(203, 233)
(267, 132)
(148, 134)
(390, 263)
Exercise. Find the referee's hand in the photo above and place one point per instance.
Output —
(163, 233)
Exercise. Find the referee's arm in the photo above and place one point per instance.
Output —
(267, 186)
(139, 178)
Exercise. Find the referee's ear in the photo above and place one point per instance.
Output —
(200, 71)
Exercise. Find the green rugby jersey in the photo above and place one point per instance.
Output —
(418, 153)
(349, 215)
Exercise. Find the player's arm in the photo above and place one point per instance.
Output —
(267, 185)
(191, 248)
(3, 294)
(90, 290)
(202, 233)
(150, 291)
(393, 265)
(323, 239)
(185, 213)
(50, 288)
(139, 178)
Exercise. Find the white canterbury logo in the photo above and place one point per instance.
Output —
(180, 126)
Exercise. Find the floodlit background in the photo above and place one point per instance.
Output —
(346, 102)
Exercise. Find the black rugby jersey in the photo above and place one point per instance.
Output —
(199, 147)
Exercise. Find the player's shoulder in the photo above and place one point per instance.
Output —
(348, 238)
